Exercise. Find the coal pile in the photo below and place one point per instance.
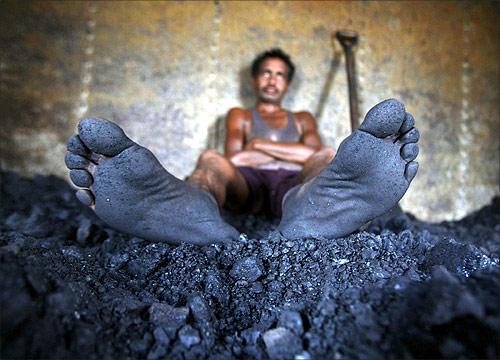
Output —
(71, 287)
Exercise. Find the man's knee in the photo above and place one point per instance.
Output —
(324, 155)
(209, 156)
(328, 152)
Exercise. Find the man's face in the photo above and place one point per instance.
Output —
(271, 82)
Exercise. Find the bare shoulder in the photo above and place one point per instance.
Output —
(305, 120)
(238, 115)
(238, 119)
(304, 116)
(238, 112)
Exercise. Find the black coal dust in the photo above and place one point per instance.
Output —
(71, 287)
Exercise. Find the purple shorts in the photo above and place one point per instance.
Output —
(267, 188)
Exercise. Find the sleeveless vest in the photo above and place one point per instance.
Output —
(260, 129)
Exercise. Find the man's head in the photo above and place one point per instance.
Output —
(275, 53)
(272, 72)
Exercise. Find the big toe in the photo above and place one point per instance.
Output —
(384, 119)
(103, 136)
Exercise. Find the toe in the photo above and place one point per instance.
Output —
(74, 161)
(411, 136)
(86, 197)
(103, 137)
(81, 178)
(76, 146)
(384, 119)
(409, 151)
(408, 123)
(411, 170)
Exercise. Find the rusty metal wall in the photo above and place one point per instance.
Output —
(168, 72)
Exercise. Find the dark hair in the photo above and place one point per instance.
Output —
(273, 53)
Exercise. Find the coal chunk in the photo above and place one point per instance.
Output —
(199, 308)
(141, 345)
(156, 352)
(118, 260)
(189, 336)
(458, 258)
(147, 262)
(250, 336)
(214, 286)
(292, 321)
(281, 343)
(84, 231)
(426, 291)
(169, 317)
(161, 336)
(249, 269)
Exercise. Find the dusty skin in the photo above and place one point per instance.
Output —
(370, 174)
(132, 192)
(129, 189)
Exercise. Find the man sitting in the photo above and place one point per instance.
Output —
(268, 149)
(274, 162)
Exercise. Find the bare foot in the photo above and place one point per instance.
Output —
(371, 172)
(129, 189)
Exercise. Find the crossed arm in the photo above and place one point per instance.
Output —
(261, 151)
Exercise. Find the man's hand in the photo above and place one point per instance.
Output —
(250, 158)
(255, 144)
(295, 153)
(239, 120)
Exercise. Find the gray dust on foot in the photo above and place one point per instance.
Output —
(130, 190)
(371, 172)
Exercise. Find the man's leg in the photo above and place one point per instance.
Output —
(216, 174)
(370, 173)
(281, 181)
(128, 188)
(317, 162)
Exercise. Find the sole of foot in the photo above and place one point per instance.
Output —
(370, 173)
(129, 189)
